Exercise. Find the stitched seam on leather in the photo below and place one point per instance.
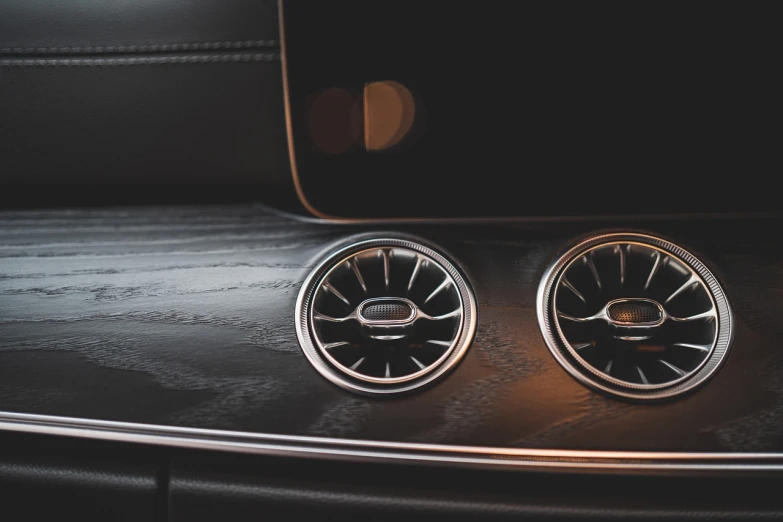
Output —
(152, 48)
(146, 60)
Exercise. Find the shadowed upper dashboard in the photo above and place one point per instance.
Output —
(543, 109)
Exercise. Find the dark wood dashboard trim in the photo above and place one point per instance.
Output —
(173, 326)
(538, 460)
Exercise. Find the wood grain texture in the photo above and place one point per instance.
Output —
(184, 316)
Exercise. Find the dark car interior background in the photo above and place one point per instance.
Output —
(347, 259)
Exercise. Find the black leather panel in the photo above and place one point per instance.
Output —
(159, 122)
(68, 26)
(52, 478)
(142, 101)
(59, 479)
(204, 488)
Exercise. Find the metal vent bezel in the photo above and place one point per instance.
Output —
(353, 381)
(590, 376)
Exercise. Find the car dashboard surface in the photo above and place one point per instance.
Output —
(296, 259)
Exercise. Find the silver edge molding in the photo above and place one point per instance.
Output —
(289, 124)
(390, 452)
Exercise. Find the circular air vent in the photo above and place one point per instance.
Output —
(385, 316)
(635, 316)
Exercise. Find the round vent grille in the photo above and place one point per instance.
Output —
(635, 316)
(385, 316)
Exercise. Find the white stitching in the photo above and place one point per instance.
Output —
(203, 46)
(145, 60)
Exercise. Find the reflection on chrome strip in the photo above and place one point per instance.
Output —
(390, 452)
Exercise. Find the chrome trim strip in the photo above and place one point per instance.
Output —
(390, 452)
(288, 124)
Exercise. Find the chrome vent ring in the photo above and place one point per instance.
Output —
(385, 316)
(634, 316)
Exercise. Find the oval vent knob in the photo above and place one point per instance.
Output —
(635, 312)
(388, 310)
(634, 316)
(385, 316)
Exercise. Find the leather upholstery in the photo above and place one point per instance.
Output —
(41, 25)
(156, 98)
